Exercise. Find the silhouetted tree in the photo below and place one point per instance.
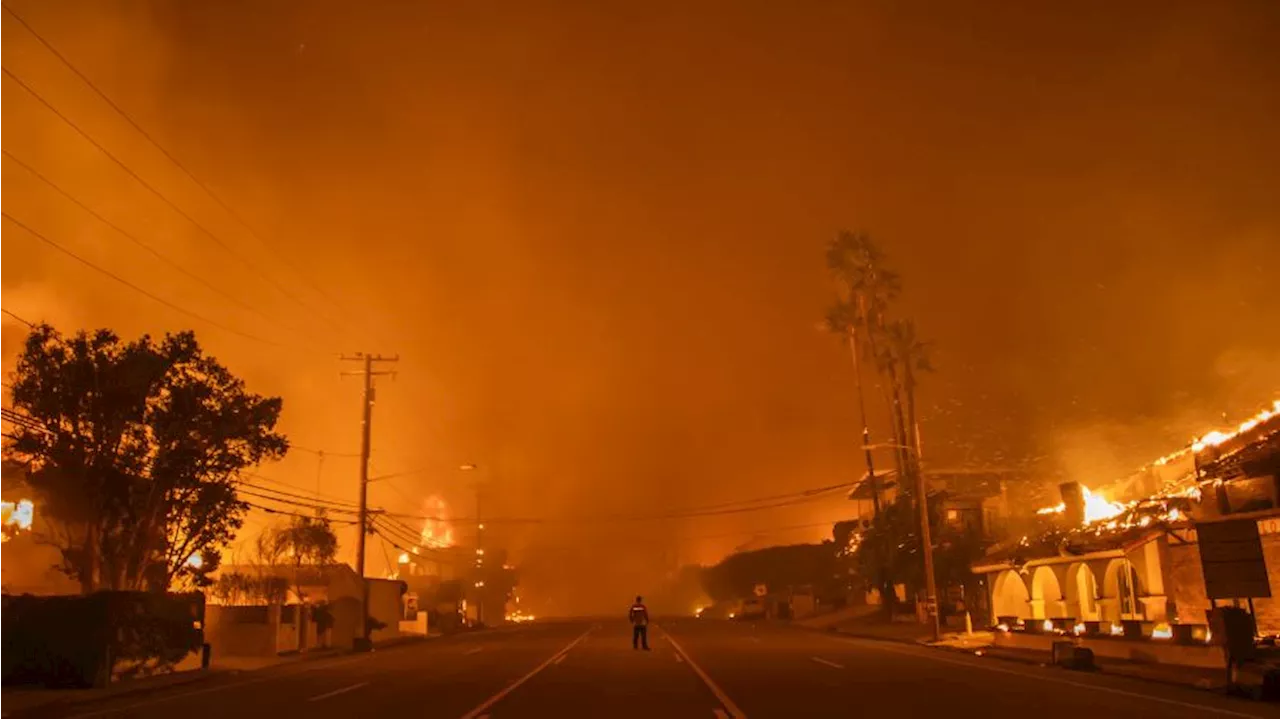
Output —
(776, 567)
(307, 543)
(134, 450)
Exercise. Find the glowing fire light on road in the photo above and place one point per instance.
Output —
(16, 517)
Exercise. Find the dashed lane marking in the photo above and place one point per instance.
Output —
(733, 711)
(488, 703)
(820, 660)
(560, 658)
(336, 692)
(474, 650)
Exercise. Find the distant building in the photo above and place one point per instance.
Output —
(247, 623)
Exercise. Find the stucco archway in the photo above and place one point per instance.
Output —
(1046, 594)
(1009, 597)
(1082, 592)
(1121, 591)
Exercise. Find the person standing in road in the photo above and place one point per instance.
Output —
(639, 616)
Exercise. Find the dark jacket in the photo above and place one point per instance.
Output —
(639, 614)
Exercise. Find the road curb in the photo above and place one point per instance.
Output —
(1026, 660)
(61, 704)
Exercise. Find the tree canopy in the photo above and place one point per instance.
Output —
(778, 568)
(134, 450)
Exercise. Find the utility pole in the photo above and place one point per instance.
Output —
(479, 561)
(866, 429)
(926, 545)
(362, 642)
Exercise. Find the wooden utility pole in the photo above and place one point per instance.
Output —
(362, 642)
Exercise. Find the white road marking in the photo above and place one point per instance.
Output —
(336, 692)
(474, 650)
(719, 713)
(1053, 680)
(820, 660)
(679, 659)
(560, 658)
(476, 713)
(734, 711)
(210, 690)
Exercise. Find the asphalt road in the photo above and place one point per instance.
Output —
(695, 669)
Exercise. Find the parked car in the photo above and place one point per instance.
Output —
(752, 609)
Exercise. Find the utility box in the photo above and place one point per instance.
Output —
(1233, 629)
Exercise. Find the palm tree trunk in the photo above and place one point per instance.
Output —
(866, 430)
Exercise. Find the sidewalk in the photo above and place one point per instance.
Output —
(23, 700)
(980, 643)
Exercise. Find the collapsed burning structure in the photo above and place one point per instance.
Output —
(1128, 552)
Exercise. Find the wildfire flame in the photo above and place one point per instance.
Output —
(436, 533)
(1096, 507)
(1217, 437)
(16, 517)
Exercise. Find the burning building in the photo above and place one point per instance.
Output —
(1128, 551)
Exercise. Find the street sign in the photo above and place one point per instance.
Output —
(1232, 559)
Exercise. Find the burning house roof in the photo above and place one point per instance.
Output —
(1252, 449)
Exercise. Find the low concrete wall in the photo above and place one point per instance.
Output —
(386, 607)
(416, 626)
(242, 631)
(1151, 651)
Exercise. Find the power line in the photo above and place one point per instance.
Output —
(25, 322)
(270, 510)
(411, 553)
(317, 495)
(176, 162)
(134, 287)
(413, 538)
(139, 242)
(194, 223)
(293, 496)
(325, 453)
(778, 501)
(294, 503)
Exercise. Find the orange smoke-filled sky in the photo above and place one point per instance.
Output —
(594, 236)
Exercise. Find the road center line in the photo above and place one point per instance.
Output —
(679, 659)
(560, 658)
(1053, 680)
(336, 692)
(475, 713)
(820, 660)
(734, 711)
(719, 713)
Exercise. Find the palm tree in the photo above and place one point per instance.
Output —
(906, 351)
(912, 355)
(867, 287)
